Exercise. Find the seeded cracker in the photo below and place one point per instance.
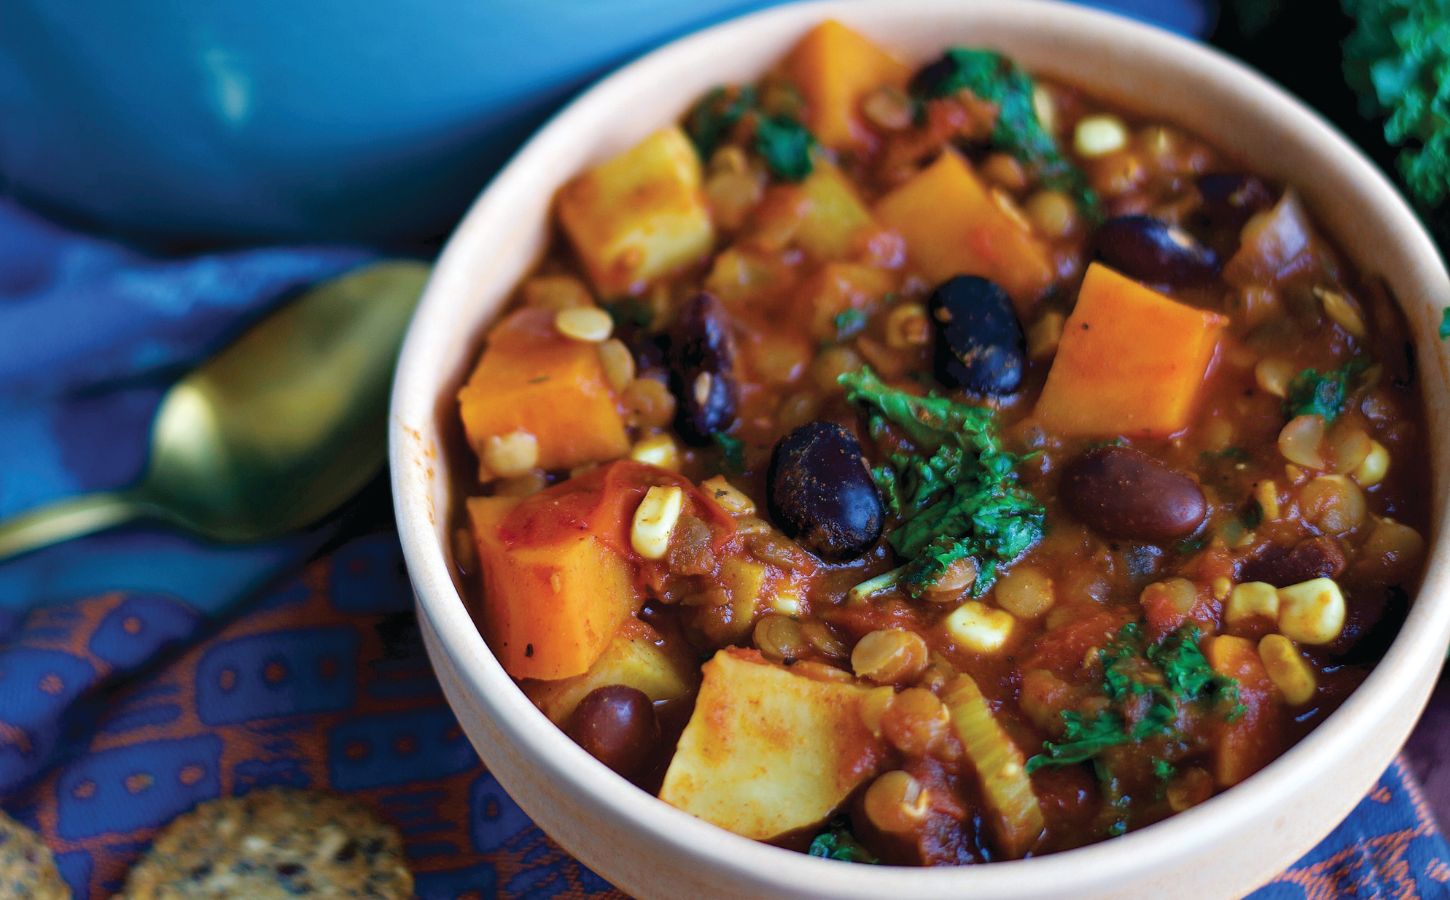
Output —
(26, 867)
(270, 843)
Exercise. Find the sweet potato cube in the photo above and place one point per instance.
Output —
(769, 751)
(1130, 363)
(637, 657)
(834, 68)
(834, 217)
(953, 225)
(1247, 744)
(549, 609)
(639, 215)
(532, 378)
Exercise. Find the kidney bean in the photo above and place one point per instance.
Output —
(1122, 492)
(1315, 557)
(1371, 624)
(702, 356)
(821, 493)
(1150, 249)
(617, 726)
(979, 341)
(1230, 200)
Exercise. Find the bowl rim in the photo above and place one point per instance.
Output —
(1417, 650)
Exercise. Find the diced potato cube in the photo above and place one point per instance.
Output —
(834, 216)
(533, 379)
(639, 215)
(834, 68)
(637, 657)
(550, 608)
(954, 226)
(1130, 363)
(1311, 612)
(768, 751)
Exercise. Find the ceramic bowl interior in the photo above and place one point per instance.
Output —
(1226, 846)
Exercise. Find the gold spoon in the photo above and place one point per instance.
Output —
(271, 434)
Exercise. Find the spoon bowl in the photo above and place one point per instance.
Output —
(272, 433)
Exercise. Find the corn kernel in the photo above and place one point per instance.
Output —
(1222, 586)
(657, 450)
(1343, 311)
(1372, 470)
(1311, 612)
(584, 323)
(654, 520)
(1099, 135)
(978, 627)
(1045, 107)
(1045, 335)
(1253, 598)
(786, 602)
(1266, 493)
(512, 454)
(728, 497)
(1289, 671)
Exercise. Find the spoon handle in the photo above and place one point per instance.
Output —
(66, 519)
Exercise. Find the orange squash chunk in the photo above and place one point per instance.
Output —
(835, 288)
(834, 68)
(954, 226)
(549, 608)
(1130, 363)
(1250, 742)
(534, 379)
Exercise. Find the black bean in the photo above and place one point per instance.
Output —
(1151, 250)
(617, 726)
(702, 371)
(1122, 492)
(929, 79)
(1230, 200)
(820, 491)
(979, 341)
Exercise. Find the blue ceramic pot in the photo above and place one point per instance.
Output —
(193, 122)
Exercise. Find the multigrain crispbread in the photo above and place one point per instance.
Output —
(275, 842)
(26, 867)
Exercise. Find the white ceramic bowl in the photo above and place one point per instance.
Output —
(1227, 846)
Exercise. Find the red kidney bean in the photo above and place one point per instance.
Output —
(1122, 492)
(617, 726)
(1316, 557)
(979, 341)
(702, 375)
(1149, 249)
(821, 493)
(1230, 200)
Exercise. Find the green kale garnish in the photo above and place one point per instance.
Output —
(1313, 394)
(849, 323)
(785, 145)
(629, 311)
(732, 449)
(997, 80)
(1164, 770)
(837, 842)
(1172, 673)
(1398, 60)
(1445, 324)
(710, 120)
(955, 492)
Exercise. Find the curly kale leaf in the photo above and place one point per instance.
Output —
(1398, 61)
(997, 80)
(955, 492)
